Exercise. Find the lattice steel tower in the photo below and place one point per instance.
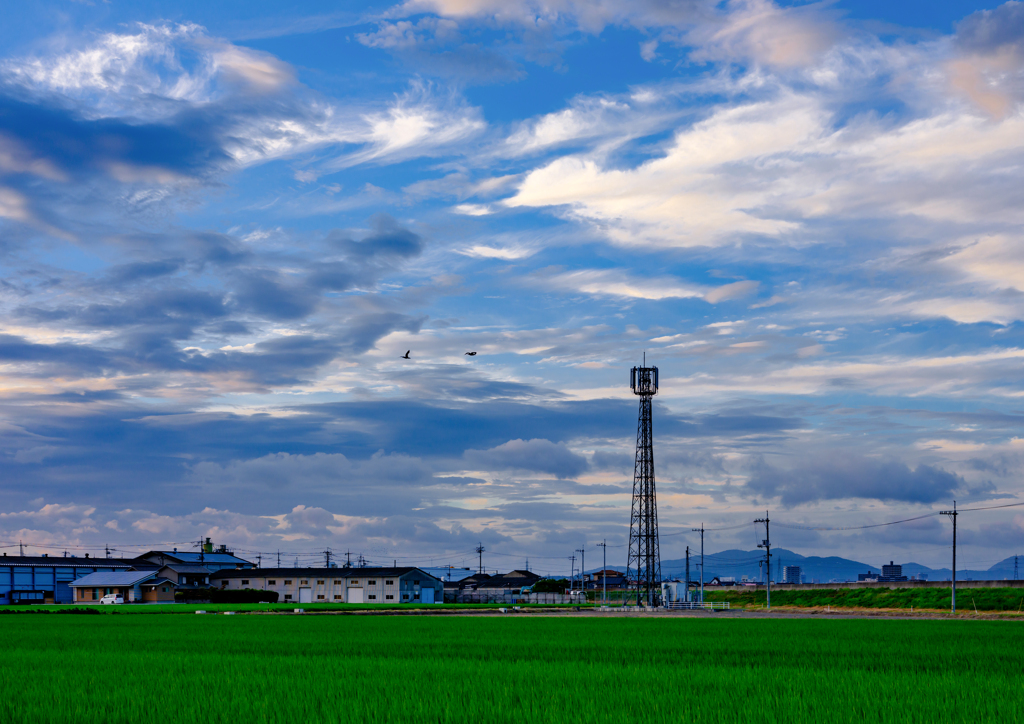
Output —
(643, 569)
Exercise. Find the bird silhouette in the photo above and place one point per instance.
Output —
(471, 354)
(406, 355)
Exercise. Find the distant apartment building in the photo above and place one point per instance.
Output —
(791, 574)
(869, 577)
(891, 573)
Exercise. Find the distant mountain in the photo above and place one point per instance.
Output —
(738, 563)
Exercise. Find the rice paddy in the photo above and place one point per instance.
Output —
(332, 668)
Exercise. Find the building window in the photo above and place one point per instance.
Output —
(355, 583)
(405, 595)
(287, 596)
(389, 583)
(319, 583)
(389, 597)
(287, 583)
(416, 596)
(371, 583)
(271, 583)
(245, 582)
(337, 596)
(372, 597)
(337, 583)
(415, 583)
(304, 582)
(319, 596)
(163, 589)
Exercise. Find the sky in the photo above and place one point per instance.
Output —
(223, 224)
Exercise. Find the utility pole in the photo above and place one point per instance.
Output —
(1015, 568)
(259, 560)
(348, 559)
(480, 552)
(701, 531)
(951, 514)
(583, 583)
(278, 557)
(767, 545)
(604, 570)
(21, 548)
(327, 557)
(106, 549)
(687, 597)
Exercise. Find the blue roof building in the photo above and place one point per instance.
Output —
(46, 579)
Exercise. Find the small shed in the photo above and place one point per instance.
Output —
(134, 586)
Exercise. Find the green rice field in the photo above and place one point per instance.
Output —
(967, 599)
(506, 668)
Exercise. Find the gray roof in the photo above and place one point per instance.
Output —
(179, 568)
(196, 557)
(116, 578)
(62, 562)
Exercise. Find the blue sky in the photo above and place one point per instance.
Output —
(222, 224)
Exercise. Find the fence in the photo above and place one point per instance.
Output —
(509, 598)
(690, 605)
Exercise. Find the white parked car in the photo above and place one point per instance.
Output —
(112, 598)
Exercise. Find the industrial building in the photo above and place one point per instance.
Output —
(337, 585)
(132, 586)
(45, 579)
(207, 557)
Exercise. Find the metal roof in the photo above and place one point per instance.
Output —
(179, 568)
(62, 562)
(115, 578)
(194, 557)
(321, 572)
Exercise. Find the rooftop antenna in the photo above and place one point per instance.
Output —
(643, 566)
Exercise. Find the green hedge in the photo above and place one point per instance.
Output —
(218, 595)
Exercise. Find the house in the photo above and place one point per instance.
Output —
(185, 577)
(609, 577)
(511, 582)
(722, 581)
(336, 585)
(47, 579)
(212, 559)
(134, 586)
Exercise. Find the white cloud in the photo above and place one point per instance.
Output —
(614, 283)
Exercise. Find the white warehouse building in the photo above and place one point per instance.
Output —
(337, 585)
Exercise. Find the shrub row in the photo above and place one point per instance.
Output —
(217, 595)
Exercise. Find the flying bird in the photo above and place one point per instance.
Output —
(406, 355)
(471, 354)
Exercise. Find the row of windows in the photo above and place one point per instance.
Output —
(304, 582)
(340, 597)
